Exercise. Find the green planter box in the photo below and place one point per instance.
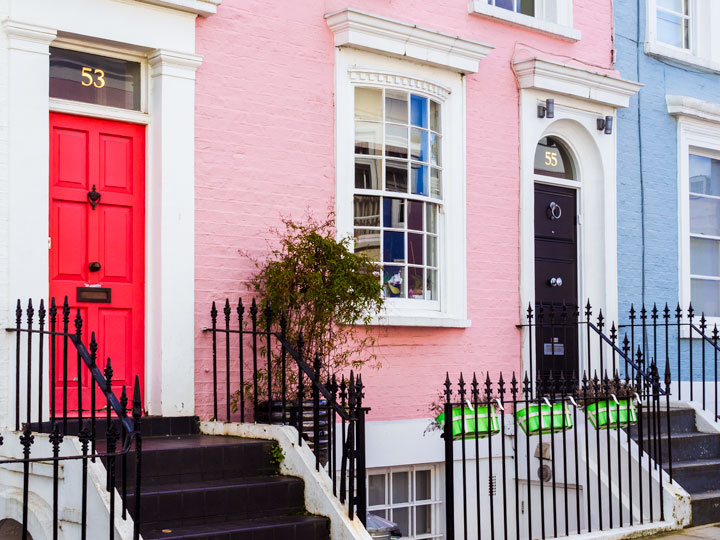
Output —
(487, 423)
(608, 414)
(545, 419)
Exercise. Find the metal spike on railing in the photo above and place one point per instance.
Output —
(527, 390)
(691, 312)
(488, 386)
(448, 387)
(514, 386)
(643, 313)
(529, 312)
(475, 389)
(123, 401)
(461, 388)
(631, 315)
(137, 400)
(600, 320)
(666, 312)
(588, 310)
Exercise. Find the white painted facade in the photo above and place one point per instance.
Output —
(161, 36)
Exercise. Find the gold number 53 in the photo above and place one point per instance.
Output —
(92, 77)
(551, 159)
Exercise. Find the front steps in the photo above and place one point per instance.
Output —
(695, 462)
(209, 487)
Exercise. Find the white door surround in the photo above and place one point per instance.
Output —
(581, 97)
(164, 39)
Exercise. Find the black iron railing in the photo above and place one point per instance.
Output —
(559, 339)
(686, 343)
(522, 462)
(260, 376)
(50, 337)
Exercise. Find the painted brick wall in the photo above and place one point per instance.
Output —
(265, 147)
(649, 199)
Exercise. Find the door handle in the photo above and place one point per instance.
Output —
(94, 266)
(556, 282)
(554, 211)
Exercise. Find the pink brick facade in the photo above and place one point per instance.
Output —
(265, 146)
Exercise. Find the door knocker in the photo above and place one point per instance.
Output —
(93, 197)
(554, 211)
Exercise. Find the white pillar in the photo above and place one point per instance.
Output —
(26, 179)
(170, 246)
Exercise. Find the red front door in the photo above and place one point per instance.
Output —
(97, 243)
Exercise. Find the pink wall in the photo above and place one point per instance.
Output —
(265, 147)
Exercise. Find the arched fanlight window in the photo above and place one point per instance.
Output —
(552, 158)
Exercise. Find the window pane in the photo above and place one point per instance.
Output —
(423, 523)
(419, 144)
(396, 176)
(526, 7)
(505, 4)
(674, 5)
(419, 181)
(393, 213)
(436, 184)
(435, 123)
(367, 242)
(669, 28)
(705, 296)
(431, 218)
(401, 516)
(432, 251)
(704, 257)
(367, 173)
(393, 246)
(368, 104)
(419, 111)
(396, 106)
(704, 175)
(422, 486)
(435, 149)
(415, 250)
(415, 215)
(432, 286)
(376, 489)
(400, 487)
(368, 138)
(393, 279)
(367, 211)
(415, 211)
(553, 159)
(416, 285)
(396, 143)
(704, 215)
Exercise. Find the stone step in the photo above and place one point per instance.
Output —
(302, 527)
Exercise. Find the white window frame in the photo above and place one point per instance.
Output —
(435, 491)
(362, 68)
(559, 24)
(699, 138)
(704, 50)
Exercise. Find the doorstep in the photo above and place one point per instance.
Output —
(706, 532)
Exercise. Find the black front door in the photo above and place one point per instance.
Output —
(556, 290)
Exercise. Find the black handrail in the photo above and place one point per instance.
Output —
(334, 409)
(128, 434)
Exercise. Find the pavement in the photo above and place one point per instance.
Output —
(706, 532)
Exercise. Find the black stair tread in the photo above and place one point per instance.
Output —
(705, 495)
(254, 525)
(221, 483)
(173, 442)
(678, 436)
(694, 463)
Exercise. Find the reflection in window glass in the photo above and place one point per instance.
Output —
(526, 7)
(704, 205)
(673, 22)
(398, 151)
(406, 496)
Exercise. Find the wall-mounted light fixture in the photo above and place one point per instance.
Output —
(605, 124)
(547, 110)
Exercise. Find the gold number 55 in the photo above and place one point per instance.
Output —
(98, 81)
(551, 159)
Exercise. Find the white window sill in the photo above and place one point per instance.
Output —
(483, 9)
(681, 56)
(420, 318)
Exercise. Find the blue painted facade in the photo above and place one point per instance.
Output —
(647, 177)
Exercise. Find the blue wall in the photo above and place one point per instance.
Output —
(647, 164)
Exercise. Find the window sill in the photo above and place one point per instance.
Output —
(668, 52)
(483, 9)
(419, 318)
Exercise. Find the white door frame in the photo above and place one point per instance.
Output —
(165, 38)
